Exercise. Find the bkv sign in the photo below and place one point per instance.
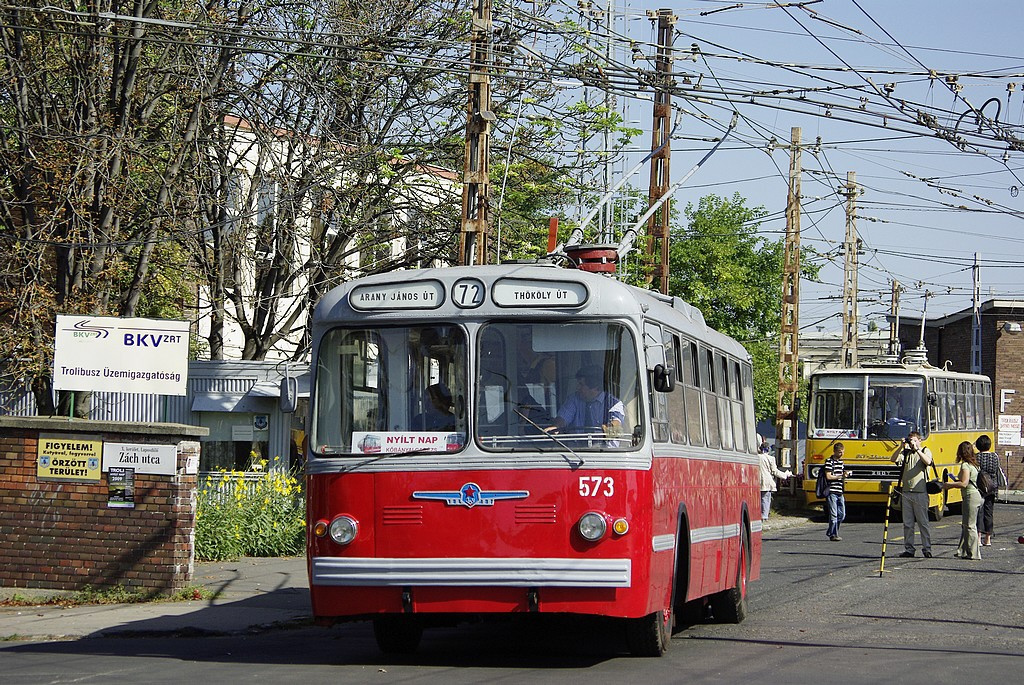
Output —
(120, 355)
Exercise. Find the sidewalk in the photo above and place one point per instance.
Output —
(250, 594)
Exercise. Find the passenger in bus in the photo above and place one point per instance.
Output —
(967, 481)
(437, 410)
(914, 459)
(590, 406)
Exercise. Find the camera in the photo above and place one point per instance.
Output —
(908, 445)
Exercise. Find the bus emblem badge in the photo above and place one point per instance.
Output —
(470, 495)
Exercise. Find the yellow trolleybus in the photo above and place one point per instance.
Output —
(872, 407)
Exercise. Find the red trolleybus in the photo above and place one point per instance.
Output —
(461, 463)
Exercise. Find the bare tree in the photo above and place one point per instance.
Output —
(100, 110)
(266, 150)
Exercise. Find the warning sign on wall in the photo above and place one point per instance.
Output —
(63, 457)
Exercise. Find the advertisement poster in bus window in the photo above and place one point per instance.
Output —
(834, 433)
(396, 442)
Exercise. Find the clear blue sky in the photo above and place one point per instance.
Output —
(923, 233)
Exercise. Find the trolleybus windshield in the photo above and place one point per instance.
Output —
(882, 406)
(577, 381)
(391, 390)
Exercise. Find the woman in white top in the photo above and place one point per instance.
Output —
(769, 472)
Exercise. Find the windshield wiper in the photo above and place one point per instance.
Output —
(579, 459)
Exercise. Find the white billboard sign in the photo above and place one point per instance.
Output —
(120, 355)
(160, 459)
(1009, 430)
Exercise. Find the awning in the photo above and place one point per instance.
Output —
(215, 401)
(265, 389)
(273, 388)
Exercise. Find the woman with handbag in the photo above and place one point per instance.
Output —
(988, 462)
(968, 547)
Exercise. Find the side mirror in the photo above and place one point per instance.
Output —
(289, 394)
(664, 378)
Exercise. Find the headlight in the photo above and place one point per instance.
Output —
(343, 529)
(592, 526)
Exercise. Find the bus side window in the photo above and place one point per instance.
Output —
(676, 401)
(738, 424)
(691, 391)
(747, 384)
(961, 405)
(659, 400)
(710, 400)
(722, 399)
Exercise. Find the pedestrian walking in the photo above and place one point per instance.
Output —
(836, 475)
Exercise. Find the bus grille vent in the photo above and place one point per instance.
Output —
(402, 515)
(535, 513)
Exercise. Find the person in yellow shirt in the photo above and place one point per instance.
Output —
(915, 459)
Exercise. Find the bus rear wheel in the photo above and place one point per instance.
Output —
(730, 606)
(649, 635)
(397, 634)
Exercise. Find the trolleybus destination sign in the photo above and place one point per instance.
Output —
(518, 292)
(406, 295)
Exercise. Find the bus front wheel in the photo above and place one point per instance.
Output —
(649, 635)
(397, 634)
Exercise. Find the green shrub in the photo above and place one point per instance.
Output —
(250, 515)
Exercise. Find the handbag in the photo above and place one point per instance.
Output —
(985, 483)
(1001, 481)
(896, 497)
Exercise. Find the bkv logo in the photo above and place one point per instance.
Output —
(470, 495)
(83, 329)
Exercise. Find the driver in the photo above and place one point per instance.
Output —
(590, 405)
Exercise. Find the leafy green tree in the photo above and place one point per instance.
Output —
(721, 264)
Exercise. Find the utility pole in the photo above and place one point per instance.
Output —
(786, 437)
(894, 321)
(850, 247)
(476, 188)
(658, 224)
(976, 319)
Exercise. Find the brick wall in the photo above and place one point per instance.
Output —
(1008, 383)
(63, 535)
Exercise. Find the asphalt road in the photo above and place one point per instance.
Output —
(820, 613)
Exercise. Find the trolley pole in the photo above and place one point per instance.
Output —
(476, 188)
(786, 437)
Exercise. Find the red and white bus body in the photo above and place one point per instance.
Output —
(485, 510)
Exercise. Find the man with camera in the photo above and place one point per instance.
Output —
(915, 460)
